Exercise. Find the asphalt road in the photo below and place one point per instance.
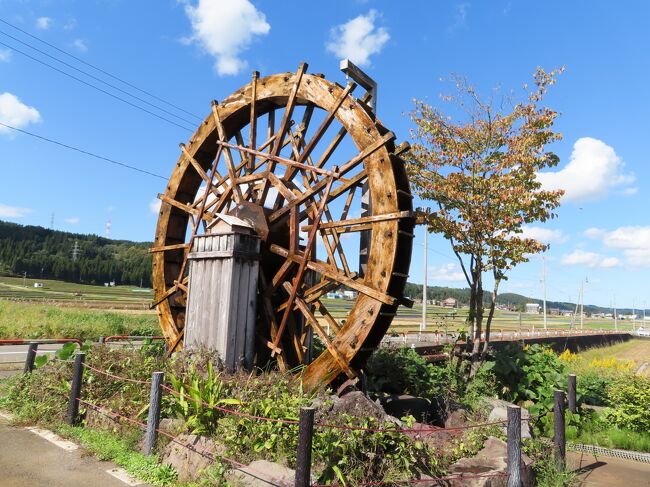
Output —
(27, 460)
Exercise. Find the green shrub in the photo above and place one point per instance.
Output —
(529, 375)
(629, 400)
(403, 371)
(592, 388)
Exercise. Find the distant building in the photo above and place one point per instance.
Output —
(449, 303)
(532, 308)
(349, 294)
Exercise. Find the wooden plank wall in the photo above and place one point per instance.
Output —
(222, 300)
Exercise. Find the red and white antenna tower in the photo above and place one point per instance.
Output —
(108, 229)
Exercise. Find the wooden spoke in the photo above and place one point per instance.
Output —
(329, 319)
(362, 221)
(303, 264)
(176, 287)
(228, 155)
(313, 322)
(182, 206)
(336, 275)
(164, 248)
(371, 149)
(267, 307)
(253, 122)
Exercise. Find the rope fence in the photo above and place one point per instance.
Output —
(306, 425)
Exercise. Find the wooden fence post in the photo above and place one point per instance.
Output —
(572, 394)
(514, 446)
(153, 420)
(75, 389)
(31, 357)
(303, 458)
(559, 440)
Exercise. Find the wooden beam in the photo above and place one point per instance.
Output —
(361, 221)
(336, 275)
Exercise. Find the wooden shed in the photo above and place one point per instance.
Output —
(221, 308)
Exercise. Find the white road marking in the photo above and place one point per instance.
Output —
(24, 352)
(121, 474)
(7, 416)
(55, 439)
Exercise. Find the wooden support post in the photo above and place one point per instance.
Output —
(75, 389)
(559, 440)
(31, 357)
(153, 421)
(303, 458)
(572, 394)
(514, 446)
(102, 339)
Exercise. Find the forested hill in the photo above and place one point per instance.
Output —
(48, 254)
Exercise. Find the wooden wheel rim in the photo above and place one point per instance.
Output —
(390, 249)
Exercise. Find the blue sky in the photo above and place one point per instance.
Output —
(186, 53)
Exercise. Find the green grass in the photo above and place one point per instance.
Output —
(109, 447)
(28, 320)
(615, 438)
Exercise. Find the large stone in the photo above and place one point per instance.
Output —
(261, 473)
(499, 412)
(355, 403)
(492, 459)
(191, 460)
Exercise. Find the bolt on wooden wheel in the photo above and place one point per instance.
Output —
(291, 153)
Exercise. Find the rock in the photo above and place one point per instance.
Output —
(354, 403)
(261, 473)
(172, 426)
(190, 462)
(106, 420)
(499, 412)
(456, 415)
(491, 459)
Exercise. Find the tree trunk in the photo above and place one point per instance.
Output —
(488, 323)
(477, 277)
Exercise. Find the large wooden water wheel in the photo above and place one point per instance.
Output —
(291, 152)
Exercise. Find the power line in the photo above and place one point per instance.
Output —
(95, 77)
(95, 87)
(91, 154)
(99, 69)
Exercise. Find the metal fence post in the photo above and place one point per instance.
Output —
(572, 393)
(75, 389)
(31, 357)
(514, 446)
(559, 440)
(153, 421)
(303, 459)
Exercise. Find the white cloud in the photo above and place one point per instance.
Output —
(73, 220)
(543, 235)
(80, 45)
(633, 241)
(16, 113)
(460, 16)
(7, 211)
(5, 55)
(593, 170)
(224, 29)
(43, 23)
(590, 259)
(70, 24)
(358, 39)
(154, 206)
(446, 272)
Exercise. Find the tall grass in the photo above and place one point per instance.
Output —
(23, 320)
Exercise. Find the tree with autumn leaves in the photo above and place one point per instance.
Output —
(479, 173)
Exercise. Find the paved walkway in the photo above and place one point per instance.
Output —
(604, 471)
(28, 460)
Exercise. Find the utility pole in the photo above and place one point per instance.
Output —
(52, 222)
(424, 286)
(544, 280)
(351, 70)
(75, 251)
(615, 315)
(582, 305)
(25, 279)
(633, 315)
